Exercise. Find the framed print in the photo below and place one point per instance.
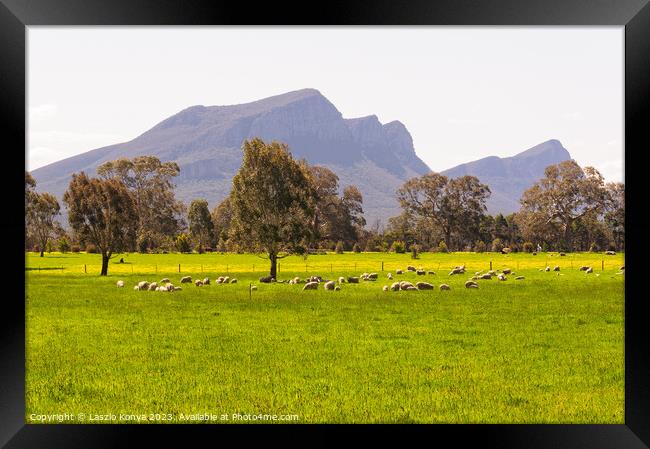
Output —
(427, 214)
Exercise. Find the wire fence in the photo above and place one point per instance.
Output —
(438, 267)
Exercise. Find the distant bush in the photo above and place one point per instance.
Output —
(183, 243)
(442, 247)
(91, 248)
(398, 247)
(49, 246)
(356, 248)
(480, 246)
(528, 247)
(414, 251)
(497, 245)
(198, 248)
(75, 248)
(339, 247)
(594, 248)
(64, 245)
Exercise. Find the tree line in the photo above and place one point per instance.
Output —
(279, 206)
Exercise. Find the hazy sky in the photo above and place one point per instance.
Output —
(462, 92)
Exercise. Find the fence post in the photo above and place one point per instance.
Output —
(131, 268)
(331, 268)
(85, 269)
(179, 268)
(156, 268)
(227, 272)
(382, 265)
(201, 268)
(602, 265)
(490, 265)
(250, 291)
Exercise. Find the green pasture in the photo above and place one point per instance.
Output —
(546, 349)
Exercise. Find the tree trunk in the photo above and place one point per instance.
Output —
(41, 253)
(105, 258)
(568, 236)
(274, 265)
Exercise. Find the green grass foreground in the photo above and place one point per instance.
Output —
(547, 349)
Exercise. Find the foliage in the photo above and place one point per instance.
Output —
(200, 223)
(398, 247)
(63, 245)
(528, 247)
(442, 247)
(497, 245)
(480, 246)
(183, 243)
(356, 248)
(339, 247)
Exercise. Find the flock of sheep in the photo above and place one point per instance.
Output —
(313, 282)
(166, 286)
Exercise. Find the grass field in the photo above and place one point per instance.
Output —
(547, 349)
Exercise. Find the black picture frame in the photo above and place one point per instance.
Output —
(634, 15)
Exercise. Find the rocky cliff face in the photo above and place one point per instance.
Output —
(509, 177)
(206, 142)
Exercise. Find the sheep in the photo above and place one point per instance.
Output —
(329, 285)
(143, 285)
(502, 277)
(341, 280)
(337, 288)
(226, 279)
(622, 268)
(556, 268)
(405, 285)
(424, 286)
(457, 270)
(385, 288)
(584, 268)
(410, 268)
(253, 288)
(411, 288)
(353, 280)
(589, 270)
(433, 273)
(164, 281)
(547, 269)
(399, 272)
(519, 278)
(198, 283)
(120, 284)
(471, 284)
(233, 281)
(507, 271)
(420, 272)
(444, 287)
(486, 276)
(186, 279)
(372, 276)
(492, 273)
(206, 281)
(315, 279)
(394, 286)
(176, 289)
(390, 276)
(310, 286)
(506, 251)
(610, 253)
(136, 287)
(153, 286)
(266, 279)
(562, 254)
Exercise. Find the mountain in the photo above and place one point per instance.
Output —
(206, 144)
(509, 177)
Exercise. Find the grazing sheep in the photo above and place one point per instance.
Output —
(176, 289)
(424, 286)
(143, 285)
(506, 251)
(444, 287)
(486, 276)
(399, 272)
(432, 273)
(233, 281)
(136, 287)
(153, 286)
(372, 276)
(385, 288)
(206, 281)
(411, 288)
(186, 279)
(502, 277)
(405, 285)
(622, 268)
(584, 268)
(253, 287)
(337, 288)
(457, 270)
(475, 278)
(266, 279)
(410, 268)
(556, 268)
(329, 285)
(390, 276)
(120, 284)
(507, 271)
(562, 254)
(547, 269)
(164, 281)
(471, 284)
(353, 280)
(394, 286)
(310, 286)
(610, 253)
(420, 272)
(534, 253)
(226, 279)
(589, 270)
(198, 282)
